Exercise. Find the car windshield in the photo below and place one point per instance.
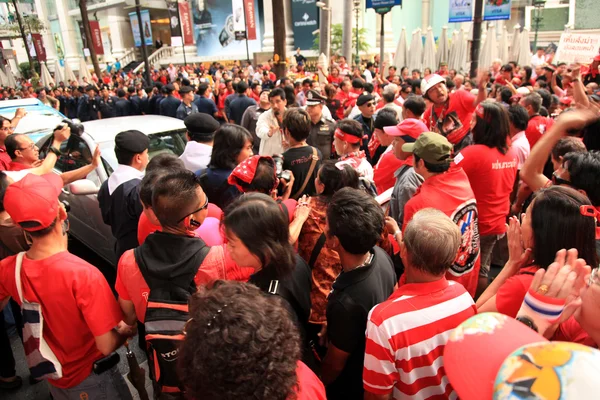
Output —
(38, 122)
(172, 142)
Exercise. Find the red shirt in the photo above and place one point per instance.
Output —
(4, 159)
(512, 292)
(77, 306)
(451, 193)
(335, 79)
(462, 104)
(255, 97)
(383, 173)
(406, 337)
(17, 166)
(536, 127)
(131, 286)
(492, 176)
(309, 386)
(571, 331)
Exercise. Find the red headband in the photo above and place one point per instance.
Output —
(480, 112)
(246, 170)
(346, 137)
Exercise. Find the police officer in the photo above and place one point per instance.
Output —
(106, 104)
(321, 127)
(122, 105)
(87, 106)
(169, 105)
(187, 106)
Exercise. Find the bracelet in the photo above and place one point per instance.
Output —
(396, 233)
(575, 80)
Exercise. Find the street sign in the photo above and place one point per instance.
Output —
(382, 6)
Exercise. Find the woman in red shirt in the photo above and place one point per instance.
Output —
(558, 218)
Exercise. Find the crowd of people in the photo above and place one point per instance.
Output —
(320, 239)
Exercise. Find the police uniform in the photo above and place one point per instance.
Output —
(87, 108)
(107, 107)
(169, 105)
(119, 197)
(184, 111)
(321, 133)
(201, 129)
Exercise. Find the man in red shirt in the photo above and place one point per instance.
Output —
(78, 308)
(407, 334)
(537, 124)
(447, 189)
(383, 172)
(346, 98)
(7, 127)
(450, 113)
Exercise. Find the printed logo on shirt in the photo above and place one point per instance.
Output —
(170, 356)
(504, 164)
(466, 218)
(541, 128)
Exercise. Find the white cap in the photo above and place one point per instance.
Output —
(430, 81)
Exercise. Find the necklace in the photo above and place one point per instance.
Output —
(368, 261)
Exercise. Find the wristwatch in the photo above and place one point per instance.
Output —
(55, 151)
(528, 322)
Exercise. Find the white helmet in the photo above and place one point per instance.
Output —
(430, 81)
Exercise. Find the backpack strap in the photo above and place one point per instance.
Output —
(313, 164)
(316, 251)
(18, 265)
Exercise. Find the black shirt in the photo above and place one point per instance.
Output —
(238, 106)
(352, 297)
(122, 107)
(321, 136)
(206, 106)
(298, 160)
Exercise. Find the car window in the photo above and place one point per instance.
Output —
(75, 154)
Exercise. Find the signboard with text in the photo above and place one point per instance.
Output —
(305, 20)
(186, 23)
(496, 10)
(577, 48)
(461, 11)
(96, 37)
(38, 43)
(382, 5)
(146, 28)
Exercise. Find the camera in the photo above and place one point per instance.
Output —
(281, 174)
(76, 127)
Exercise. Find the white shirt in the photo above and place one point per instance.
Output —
(196, 156)
(269, 145)
(368, 76)
(521, 146)
(122, 174)
(536, 60)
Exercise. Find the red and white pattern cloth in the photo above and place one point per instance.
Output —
(406, 336)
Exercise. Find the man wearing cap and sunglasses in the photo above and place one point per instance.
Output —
(321, 126)
(450, 114)
(78, 309)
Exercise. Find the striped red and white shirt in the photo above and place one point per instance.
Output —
(406, 336)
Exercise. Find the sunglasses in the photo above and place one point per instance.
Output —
(193, 222)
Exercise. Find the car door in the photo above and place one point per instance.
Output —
(86, 223)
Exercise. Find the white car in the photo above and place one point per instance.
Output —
(167, 135)
(39, 121)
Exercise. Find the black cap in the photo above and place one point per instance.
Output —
(201, 126)
(185, 90)
(132, 141)
(363, 99)
(314, 98)
(170, 88)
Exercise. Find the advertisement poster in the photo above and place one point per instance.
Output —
(461, 11)
(186, 23)
(239, 19)
(305, 20)
(213, 28)
(36, 38)
(58, 43)
(135, 28)
(496, 10)
(96, 37)
(174, 18)
(577, 48)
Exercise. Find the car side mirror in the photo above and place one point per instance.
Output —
(83, 187)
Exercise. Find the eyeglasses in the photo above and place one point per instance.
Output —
(594, 278)
(560, 181)
(205, 206)
(370, 104)
(30, 147)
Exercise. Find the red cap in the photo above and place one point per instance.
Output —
(409, 129)
(34, 198)
(597, 58)
(476, 350)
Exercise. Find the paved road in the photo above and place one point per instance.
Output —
(40, 390)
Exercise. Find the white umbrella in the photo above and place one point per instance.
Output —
(416, 51)
(69, 74)
(515, 43)
(429, 51)
(524, 57)
(461, 52)
(453, 47)
(59, 76)
(11, 78)
(3, 78)
(443, 49)
(45, 76)
(84, 72)
(400, 59)
(503, 46)
(489, 51)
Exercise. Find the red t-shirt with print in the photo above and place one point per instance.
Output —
(536, 127)
(383, 173)
(492, 176)
(77, 305)
(462, 105)
(451, 193)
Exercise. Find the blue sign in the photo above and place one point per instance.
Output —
(496, 10)
(376, 4)
(461, 11)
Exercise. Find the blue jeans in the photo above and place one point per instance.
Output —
(109, 385)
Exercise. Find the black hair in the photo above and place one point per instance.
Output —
(584, 172)
(264, 180)
(368, 87)
(493, 130)
(40, 232)
(518, 116)
(254, 85)
(505, 95)
(148, 182)
(416, 84)
(229, 141)
(528, 73)
(544, 112)
(131, 89)
(277, 92)
(355, 218)
(257, 220)
(357, 83)
(290, 96)
(241, 87)
(4, 183)
(433, 168)
(297, 122)
(202, 89)
(120, 93)
(334, 178)
(164, 160)
(416, 105)
(307, 81)
(546, 97)
(12, 145)
(386, 117)
(175, 194)
(557, 223)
